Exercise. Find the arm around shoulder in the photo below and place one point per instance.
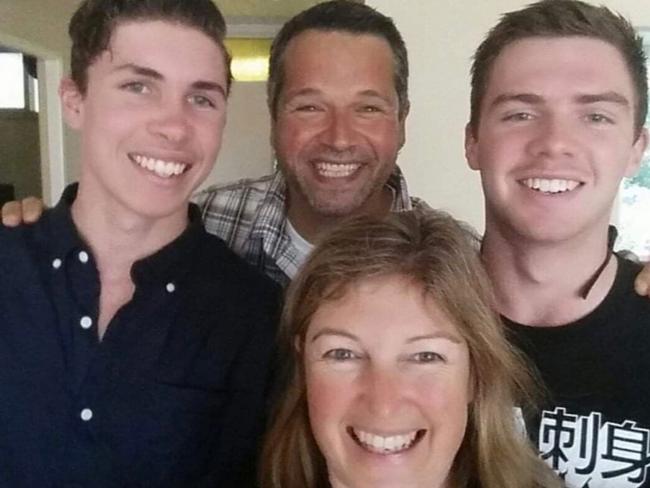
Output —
(27, 211)
(642, 282)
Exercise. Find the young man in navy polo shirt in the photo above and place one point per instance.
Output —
(130, 353)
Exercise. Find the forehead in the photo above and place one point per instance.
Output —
(171, 48)
(383, 308)
(559, 65)
(323, 57)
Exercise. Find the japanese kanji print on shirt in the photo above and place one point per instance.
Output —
(589, 452)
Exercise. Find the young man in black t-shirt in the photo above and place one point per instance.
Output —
(559, 98)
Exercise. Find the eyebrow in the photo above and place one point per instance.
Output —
(314, 91)
(529, 98)
(375, 94)
(436, 335)
(334, 332)
(609, 96)
(153, 74)
(582, 99)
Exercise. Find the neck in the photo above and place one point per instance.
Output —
(542, 283)
(117, 236)
(312, 224)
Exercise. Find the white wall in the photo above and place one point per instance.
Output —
(441, 36)
(246, 149)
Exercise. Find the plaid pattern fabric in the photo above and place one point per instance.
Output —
(250, 215)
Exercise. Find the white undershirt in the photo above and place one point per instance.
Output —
(303, 246)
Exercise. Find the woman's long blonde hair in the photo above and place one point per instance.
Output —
(441, 256)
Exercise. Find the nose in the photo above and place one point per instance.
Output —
(339, 133)
(555, 137)
(170, 122)
(383, 391)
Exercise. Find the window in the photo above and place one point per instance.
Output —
(633, 221)
(18, 83)
(250, 58)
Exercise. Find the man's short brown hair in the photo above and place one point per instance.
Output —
(562, 18)
(93, 23)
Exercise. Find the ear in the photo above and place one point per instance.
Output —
(402, 125)
(638, 149)
(471, 150)
(297, 344)
(72, 101)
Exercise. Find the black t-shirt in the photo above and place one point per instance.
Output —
(594, 425)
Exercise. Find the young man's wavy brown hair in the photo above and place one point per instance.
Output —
(562, 18)
(94, 22)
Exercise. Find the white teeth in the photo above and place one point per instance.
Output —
(551, 186)
(336, 170)
(163, 169)
(385, 445)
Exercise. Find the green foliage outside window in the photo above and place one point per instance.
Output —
(642, 178)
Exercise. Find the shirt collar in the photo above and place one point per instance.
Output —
(61, 229)
(168, 264)
(270, 221)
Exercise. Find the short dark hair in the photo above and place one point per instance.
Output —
(562, 18)
(93, 23)
(343, 16)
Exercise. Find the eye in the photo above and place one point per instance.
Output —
(597, 118)
(370, 109)
(518, 117)
(340, 354)
(135, 87)
(306, 108)
(201, 101)
(427, 357)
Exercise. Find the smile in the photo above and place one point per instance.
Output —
(336, 170)
(159, 167)
(552, 186)
(378, 444)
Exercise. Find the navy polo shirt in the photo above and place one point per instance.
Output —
(175, 392)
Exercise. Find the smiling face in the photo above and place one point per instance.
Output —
(555, 137)
(388, 386)
(151, 118)
(337, 130)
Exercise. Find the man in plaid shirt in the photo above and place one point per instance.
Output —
(337, 94)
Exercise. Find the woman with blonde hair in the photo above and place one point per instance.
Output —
(400, 375)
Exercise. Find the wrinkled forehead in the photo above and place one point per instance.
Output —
(385, 292)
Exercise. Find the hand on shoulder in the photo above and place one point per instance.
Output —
(27, 211)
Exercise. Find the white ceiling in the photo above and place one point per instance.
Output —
(263, 9)
(255, 18)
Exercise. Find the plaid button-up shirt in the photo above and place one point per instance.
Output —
(251, 216)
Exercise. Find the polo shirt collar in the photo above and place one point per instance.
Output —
(168, 264)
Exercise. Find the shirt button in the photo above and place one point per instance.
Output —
(56, 264)
(86, 322)
(86, 414)
(83, 256)
(171, 287)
